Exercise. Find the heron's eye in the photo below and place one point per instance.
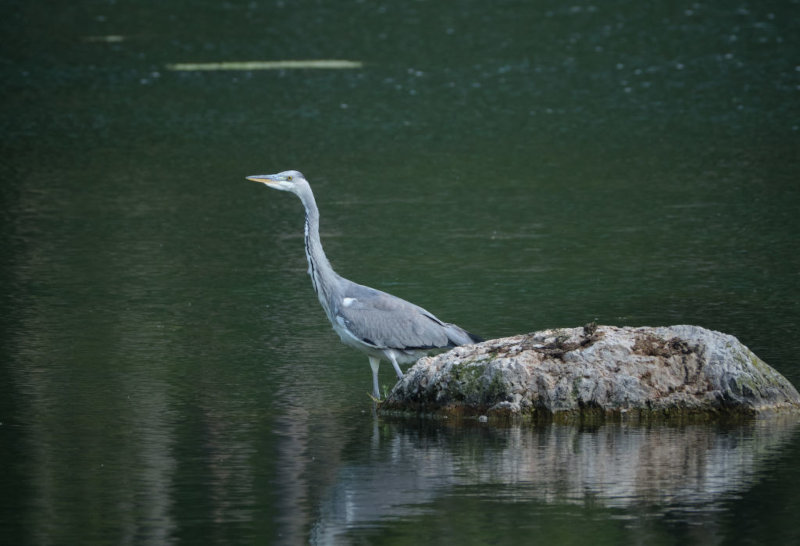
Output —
(289, 177)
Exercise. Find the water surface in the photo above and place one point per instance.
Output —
(167, 374)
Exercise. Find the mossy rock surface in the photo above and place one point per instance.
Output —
(597, 372)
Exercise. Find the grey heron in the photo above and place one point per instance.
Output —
(383, 326)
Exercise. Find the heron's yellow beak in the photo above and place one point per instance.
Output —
(264, 179)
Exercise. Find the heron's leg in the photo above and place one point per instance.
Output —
(396, 367)
(374, 363)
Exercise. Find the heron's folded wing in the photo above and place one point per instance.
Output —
(385, 321)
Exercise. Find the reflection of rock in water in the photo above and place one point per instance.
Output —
(614, 465)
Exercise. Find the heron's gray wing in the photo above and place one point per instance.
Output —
(385, 321)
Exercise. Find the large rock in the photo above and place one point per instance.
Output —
(599, 371)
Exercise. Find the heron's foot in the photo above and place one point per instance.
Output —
(374, 399)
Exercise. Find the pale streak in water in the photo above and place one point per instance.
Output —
(110, 38)
(267, 65)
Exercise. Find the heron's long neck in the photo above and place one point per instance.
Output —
(319, 268)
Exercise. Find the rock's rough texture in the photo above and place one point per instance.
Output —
(597, 370)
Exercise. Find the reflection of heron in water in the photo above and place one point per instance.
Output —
(379, 324)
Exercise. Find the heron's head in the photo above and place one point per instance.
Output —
(286, 180)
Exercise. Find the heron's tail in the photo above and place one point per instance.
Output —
(459, 336)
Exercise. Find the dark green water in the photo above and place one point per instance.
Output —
(166, 373)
